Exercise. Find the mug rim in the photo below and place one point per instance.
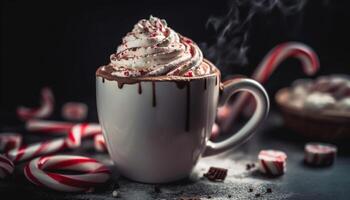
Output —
(164, 78)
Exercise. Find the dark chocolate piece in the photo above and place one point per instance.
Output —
(216, 174)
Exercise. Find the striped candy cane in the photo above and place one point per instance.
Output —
(9, 141)
(81, 130)
(45, 126)
(6, 167)
(91, 173)
(277, 55)
(100, 143)
(73, 140)
(34, 150)
(45, 109)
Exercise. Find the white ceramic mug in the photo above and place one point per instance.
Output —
(156, 130)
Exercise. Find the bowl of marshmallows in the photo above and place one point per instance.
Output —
(318, 109)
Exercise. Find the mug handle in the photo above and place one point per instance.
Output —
(262, 108)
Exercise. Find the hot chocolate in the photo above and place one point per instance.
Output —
(157, 101)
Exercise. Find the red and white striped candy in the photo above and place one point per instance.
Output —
(41, 148)
(90, 173)
(320, 154)
(6, 167)
(277, 55)
(74, 111)
(9, 141)
(100, 143)
(81, 130)
(45, 109)
(45, 126)
(272, 162)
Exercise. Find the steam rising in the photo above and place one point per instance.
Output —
(232, 30)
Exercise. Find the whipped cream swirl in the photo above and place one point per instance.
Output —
(154, 49)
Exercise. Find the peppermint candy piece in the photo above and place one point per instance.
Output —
(89, 173)
(320, 154)
(74, 111)
(272, 162)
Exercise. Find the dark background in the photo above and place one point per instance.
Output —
(61, 43)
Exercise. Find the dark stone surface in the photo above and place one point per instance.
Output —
(300, 181)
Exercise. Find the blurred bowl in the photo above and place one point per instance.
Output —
(326, 126)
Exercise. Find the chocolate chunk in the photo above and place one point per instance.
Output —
(247, 166)
(229, 196)
(257, 195)
(216, 174)
(268, 190)
(250, 190)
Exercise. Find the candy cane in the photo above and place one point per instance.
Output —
(91, 173)
(100, 143)
(45, 109)
(9, 141)
(73, 140)
(305, 54)
(41, 148)
(45, 126)
(79, 131)
(6, 167)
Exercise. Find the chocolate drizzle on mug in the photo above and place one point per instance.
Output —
(154, 102)
(181, 83)
(120, 84)
(188, 104)
(103, 80)
(140, 88)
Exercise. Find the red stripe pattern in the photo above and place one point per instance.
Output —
(73, 140)
(272, 162)
(26, 152)
(89, 173)
(45, 109)
(81, 130)
(320, 154)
